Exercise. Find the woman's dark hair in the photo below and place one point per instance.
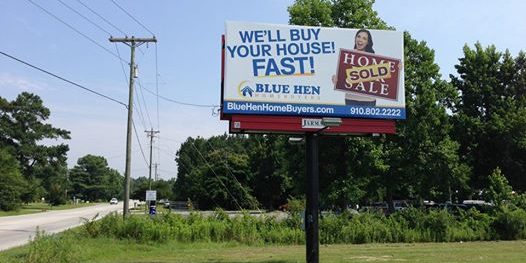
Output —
(369, 47)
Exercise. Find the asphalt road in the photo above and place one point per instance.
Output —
(18, 230)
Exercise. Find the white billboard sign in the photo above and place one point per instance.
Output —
(313, 71)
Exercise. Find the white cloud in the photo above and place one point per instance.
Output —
(10, 81)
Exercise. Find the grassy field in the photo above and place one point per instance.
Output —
(110, 250)
(32, 208)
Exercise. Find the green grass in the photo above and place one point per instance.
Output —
(32, 208)
(111, 250)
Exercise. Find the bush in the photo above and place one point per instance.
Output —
(510, 224)
(410, 225)
(52, 249)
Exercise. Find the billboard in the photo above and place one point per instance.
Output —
(299, 125)
(313, 71)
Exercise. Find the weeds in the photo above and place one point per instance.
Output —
(51, 249)
(410, 225)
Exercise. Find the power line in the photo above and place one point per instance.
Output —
(141, 116)
(101, 17)
(122, 64)
(180, 102)
(169, 139)
(140, 145)
(165, 151)
(144, 100)
(249, 197)
(74, 29)
(140, 111)
(217, 176)
(63, 79)
(143, 26)
(87, 19)
(157, 86)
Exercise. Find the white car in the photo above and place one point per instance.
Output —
(114, 201)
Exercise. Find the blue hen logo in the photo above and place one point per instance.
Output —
(247, 91)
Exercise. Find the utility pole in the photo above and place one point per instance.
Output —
(156, 175)
(132, 43)
(151, 133)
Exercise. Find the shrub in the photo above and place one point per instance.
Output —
(410, 225)
(51, 249)
(510, 224)
(435, 225)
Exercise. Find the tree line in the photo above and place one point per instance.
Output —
(457, 133)
(31, 170)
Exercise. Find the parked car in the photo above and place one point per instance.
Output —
(400, 205)
(114, 201)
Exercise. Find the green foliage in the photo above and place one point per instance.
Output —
(55, 183)
(296, 206)
(510, 224)
(22, 127)
(519, 200)
(489, 115)
(140, 185)
(52, 248)
(311, 13)
(93, 180)
(498, 189)
(11, 182)
(196, 228)
(220, 174)
(409, 225)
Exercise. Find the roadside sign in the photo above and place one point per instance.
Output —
(151, 195)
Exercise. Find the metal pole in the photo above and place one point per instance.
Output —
(311, 213)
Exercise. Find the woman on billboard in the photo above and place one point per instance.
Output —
(363, 41)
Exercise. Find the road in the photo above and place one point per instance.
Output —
(18, 230)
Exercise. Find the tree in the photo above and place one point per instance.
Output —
(22, 128)
(421, 160)
(54, 182)
(498, 189)
(271, 183)
(12, 183)
(141, 185)
(344, 174)
(93, 180)
(138, 188)
(490, 114)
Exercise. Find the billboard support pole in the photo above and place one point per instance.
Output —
(312, 206)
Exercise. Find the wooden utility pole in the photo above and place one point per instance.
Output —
(151, 133)
(132, 43)
(156, 175)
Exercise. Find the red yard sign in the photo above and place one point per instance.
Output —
(368, 74)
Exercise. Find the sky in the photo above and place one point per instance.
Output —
(185, 64)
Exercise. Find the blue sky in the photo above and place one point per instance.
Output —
(188, 59)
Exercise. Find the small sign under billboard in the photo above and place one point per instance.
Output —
(313, 71)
